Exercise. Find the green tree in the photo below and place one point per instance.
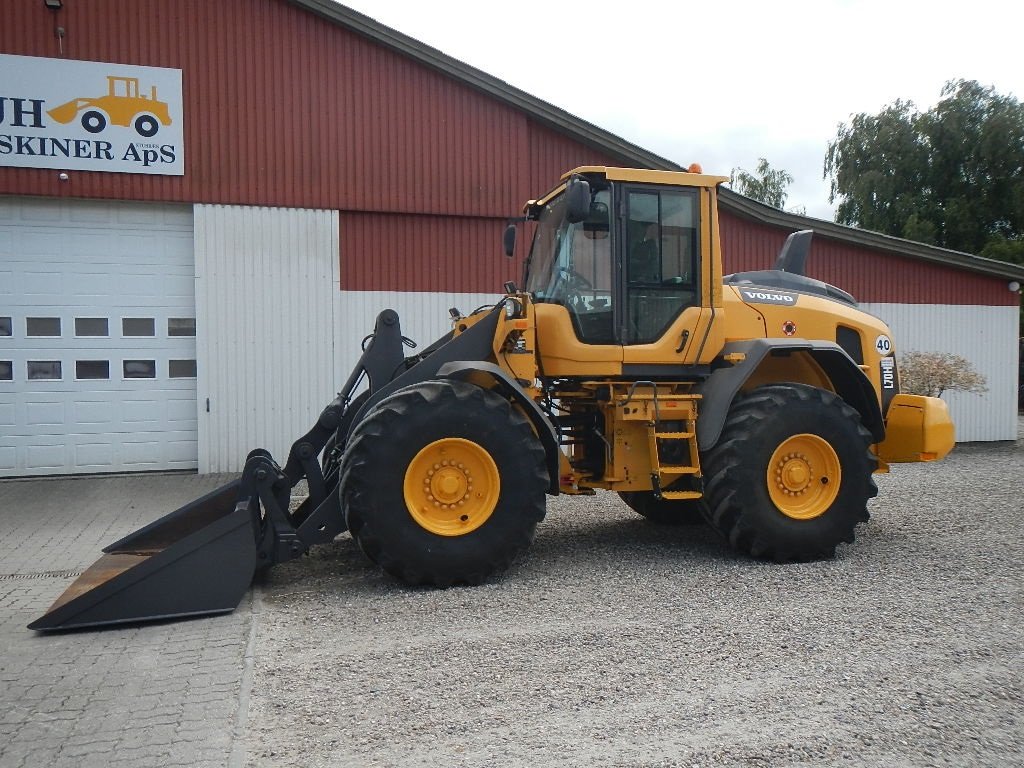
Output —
(952, 176)
(766, 185)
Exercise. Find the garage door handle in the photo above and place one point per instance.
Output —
(207, 405)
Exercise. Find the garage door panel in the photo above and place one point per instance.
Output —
(85, 284)
(139, 413)
(42, 247)
(182, 413)
(90, 413)
(99, 263)
(182, 452)
(42, 414)
(141, 453)
(98, 457)
(51, 456)
(28, 210)
(45, 286)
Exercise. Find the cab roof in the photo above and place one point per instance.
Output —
(643, 176)
(635, 175)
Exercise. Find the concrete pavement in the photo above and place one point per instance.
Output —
(157, 695)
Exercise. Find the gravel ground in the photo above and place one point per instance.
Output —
(620, 643)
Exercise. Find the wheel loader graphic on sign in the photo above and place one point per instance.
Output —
(123, 105)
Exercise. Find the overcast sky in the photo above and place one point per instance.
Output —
(724, 83)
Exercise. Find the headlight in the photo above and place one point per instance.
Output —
(513, 308)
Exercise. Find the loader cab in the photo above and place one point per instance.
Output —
(628, 262)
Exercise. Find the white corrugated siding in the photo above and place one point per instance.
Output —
(266, 282)
(276, 339)
(987, 337)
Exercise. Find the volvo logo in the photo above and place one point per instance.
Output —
(767, 297)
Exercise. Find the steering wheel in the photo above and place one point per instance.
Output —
(574, 284)
(574, 280)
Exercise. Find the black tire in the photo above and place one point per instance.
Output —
(664, 511)
(146, 126)
(739, 493)
(94, 121)
(385, 454)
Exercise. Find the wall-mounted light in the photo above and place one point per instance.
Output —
(1014, 286)
(54, 5)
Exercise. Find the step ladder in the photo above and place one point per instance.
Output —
(663, 475)
(659, 411)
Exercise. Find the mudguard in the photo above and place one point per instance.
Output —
(720, 389)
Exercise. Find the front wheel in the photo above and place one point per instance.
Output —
(442, 483)
(790, 476)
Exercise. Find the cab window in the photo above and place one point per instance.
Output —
(661, 260)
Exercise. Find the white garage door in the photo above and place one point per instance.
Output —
(97, 337)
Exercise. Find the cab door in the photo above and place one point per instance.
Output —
(664, 275)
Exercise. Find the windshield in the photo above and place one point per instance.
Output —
(571, 265)
(550, 231)
(565, 258)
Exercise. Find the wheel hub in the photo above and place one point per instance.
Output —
(451, 487)
(448, 483)
(803, 476)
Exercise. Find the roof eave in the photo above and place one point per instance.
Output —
(766, 214)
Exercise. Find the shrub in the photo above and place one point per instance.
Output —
(932, 373)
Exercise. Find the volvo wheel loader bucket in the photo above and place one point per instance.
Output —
(199, 559)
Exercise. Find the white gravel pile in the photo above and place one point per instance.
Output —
(621, 643)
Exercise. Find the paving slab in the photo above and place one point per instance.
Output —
(157, 695)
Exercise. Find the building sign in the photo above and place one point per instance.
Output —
(90, 116)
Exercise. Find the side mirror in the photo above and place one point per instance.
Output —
(577, 200)
(508, 240)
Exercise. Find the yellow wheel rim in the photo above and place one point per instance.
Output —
(452, 487)
(804, 476)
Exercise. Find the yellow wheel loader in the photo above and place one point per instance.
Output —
(761, 402)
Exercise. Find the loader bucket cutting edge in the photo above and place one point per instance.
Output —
(197, 560)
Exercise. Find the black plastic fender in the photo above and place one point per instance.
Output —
(510, 388)
(720, 388)
(473, 344)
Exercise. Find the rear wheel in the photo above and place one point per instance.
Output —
(664, 511)
(443, 482)
(790, 476)
(146, 126)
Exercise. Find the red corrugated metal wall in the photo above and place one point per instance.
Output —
(286, 109)
(871, 276)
